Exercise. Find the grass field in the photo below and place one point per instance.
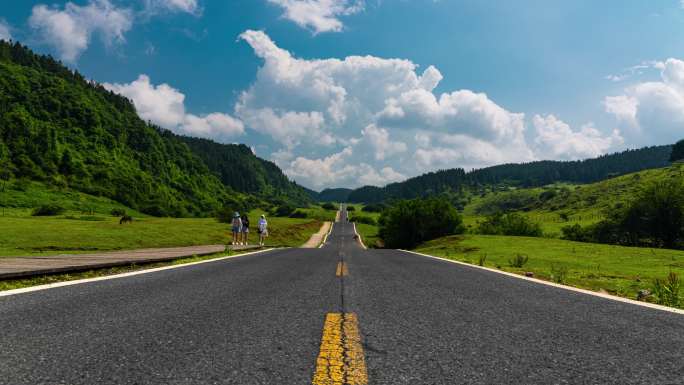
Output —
(22, 234)
(87, 225)
(617, 270)
(22, 195)
(319, 213)
(368, 233)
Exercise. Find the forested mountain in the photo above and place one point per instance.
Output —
(59, 128)
(238, 168)
(525, 175)
(334, 195)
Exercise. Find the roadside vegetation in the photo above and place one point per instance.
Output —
(631, 272)
(407, 224)
(522, 231)
(22, 234)
(36, 219)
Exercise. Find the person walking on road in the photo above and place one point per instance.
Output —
(237, 228)
(245, 229)
(262, 229)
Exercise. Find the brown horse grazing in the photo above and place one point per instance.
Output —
(126, 219)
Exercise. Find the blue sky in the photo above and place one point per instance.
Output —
(353, 92)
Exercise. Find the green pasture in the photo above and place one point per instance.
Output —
(22, 234)
(617, 270)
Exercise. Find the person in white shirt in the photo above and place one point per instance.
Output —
(262, 229)
(237, 228)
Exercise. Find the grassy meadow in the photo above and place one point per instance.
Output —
(22, 234)
(368, 234)
(617, 270)
(88, 226)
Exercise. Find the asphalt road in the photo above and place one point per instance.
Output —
(258, 319)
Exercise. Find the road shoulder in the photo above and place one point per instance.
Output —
(319, 237)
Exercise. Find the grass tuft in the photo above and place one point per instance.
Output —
(518, 261)
(666, 291)
(559, 273)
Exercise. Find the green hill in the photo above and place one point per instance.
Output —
(334, 195)
(458, 181)
(238, 168)
(64, 131)
(596, 196)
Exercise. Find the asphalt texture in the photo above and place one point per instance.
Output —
(258, 319)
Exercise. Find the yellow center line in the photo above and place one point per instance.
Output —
(342, 270)
(341, 359)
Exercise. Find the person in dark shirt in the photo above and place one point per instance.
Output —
(245, 229)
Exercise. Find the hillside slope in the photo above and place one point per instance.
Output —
(524, 175)
(62, 130)
(334, 195)
(238, 168)
(601, 196)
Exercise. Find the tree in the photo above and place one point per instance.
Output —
(677, 152)
(409, 223)
(657, 216)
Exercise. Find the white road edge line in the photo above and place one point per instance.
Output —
(30, 289)
(359, 237)
(564, 287)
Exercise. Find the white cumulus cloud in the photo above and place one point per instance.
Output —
(188, 6)
(335, 169)
(439, 150)
(218, 126)
(319, 15)
(5, 30)
(652, 112)
(322, 172)
(556, 140)
(165, 106)
(386, 112)
(70, 29)
(380, 141)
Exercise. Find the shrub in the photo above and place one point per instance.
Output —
(577, 233)
(118, 212)
(328, 206)
(364, 219)
(374, 208)
(547, 195)
(410, 222)
(655, 218)
(298, 214)
(558, 273)
(666, 291)
(507, 201)
(47, 210)
(88, 209)
(351, 208)
(22, 184)
(518, 261)
(509, 224)
(284, 210)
